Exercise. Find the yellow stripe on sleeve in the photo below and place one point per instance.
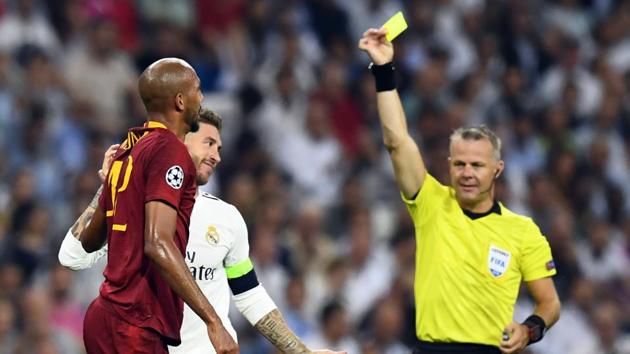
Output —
(119, 227)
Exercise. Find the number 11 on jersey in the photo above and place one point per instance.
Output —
(114, 178)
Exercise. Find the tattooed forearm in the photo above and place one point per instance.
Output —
(86, 216)
(275, 328)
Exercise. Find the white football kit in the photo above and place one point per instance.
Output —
(217, 255)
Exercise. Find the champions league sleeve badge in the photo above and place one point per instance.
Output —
(175, 177)
(498, 261)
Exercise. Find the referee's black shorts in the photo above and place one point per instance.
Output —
(453, 348)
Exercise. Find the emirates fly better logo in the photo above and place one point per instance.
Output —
(175, 177)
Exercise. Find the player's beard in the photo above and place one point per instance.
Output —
(193, 120)
(194, 126)
(202, 179)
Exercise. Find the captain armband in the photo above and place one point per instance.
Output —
(241, 277)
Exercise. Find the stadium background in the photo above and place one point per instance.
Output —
(303, 159)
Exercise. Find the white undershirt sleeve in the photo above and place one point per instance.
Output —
(254, 304)
(72, 255)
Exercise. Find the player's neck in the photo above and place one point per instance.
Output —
(177, 126)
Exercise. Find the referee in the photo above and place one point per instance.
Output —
(472, 252)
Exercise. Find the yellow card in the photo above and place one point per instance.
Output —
(395, 26)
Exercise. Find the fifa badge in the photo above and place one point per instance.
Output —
(498, 261)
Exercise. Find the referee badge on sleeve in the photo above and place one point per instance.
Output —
(498, 261)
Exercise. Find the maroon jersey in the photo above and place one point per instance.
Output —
(152, 165)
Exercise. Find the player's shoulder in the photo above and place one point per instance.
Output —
(164, 138)
(209, 204)
(149, 142)
(163, 141)
(208, 199)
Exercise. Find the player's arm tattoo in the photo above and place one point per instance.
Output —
(275, 329)
(86, 216)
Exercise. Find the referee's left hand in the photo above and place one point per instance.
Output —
(517, 340)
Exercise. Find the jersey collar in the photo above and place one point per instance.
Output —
(154, 124)
(496, 208)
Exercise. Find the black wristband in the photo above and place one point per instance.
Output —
(537, 328)
(384, 76)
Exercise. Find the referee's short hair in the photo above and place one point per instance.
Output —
(478, 132)
(211, 117)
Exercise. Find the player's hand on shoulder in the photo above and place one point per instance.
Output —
(108, 157)
(222, 341)
(377, 46)
(515, 338)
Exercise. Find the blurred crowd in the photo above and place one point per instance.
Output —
(303, 159)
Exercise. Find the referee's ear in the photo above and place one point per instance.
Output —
(499, 170)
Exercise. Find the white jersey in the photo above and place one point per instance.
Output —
(218, 238)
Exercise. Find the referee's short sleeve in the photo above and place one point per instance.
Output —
(424, 203)
(537, 261)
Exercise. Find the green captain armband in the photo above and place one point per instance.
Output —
(240, 269)
(241, 277)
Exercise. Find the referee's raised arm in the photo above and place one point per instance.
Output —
(406, 159)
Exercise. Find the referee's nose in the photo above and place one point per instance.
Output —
(468, 171)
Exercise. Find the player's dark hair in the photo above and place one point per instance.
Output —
(211, 117)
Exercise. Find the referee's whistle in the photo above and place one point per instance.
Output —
(506, 335)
